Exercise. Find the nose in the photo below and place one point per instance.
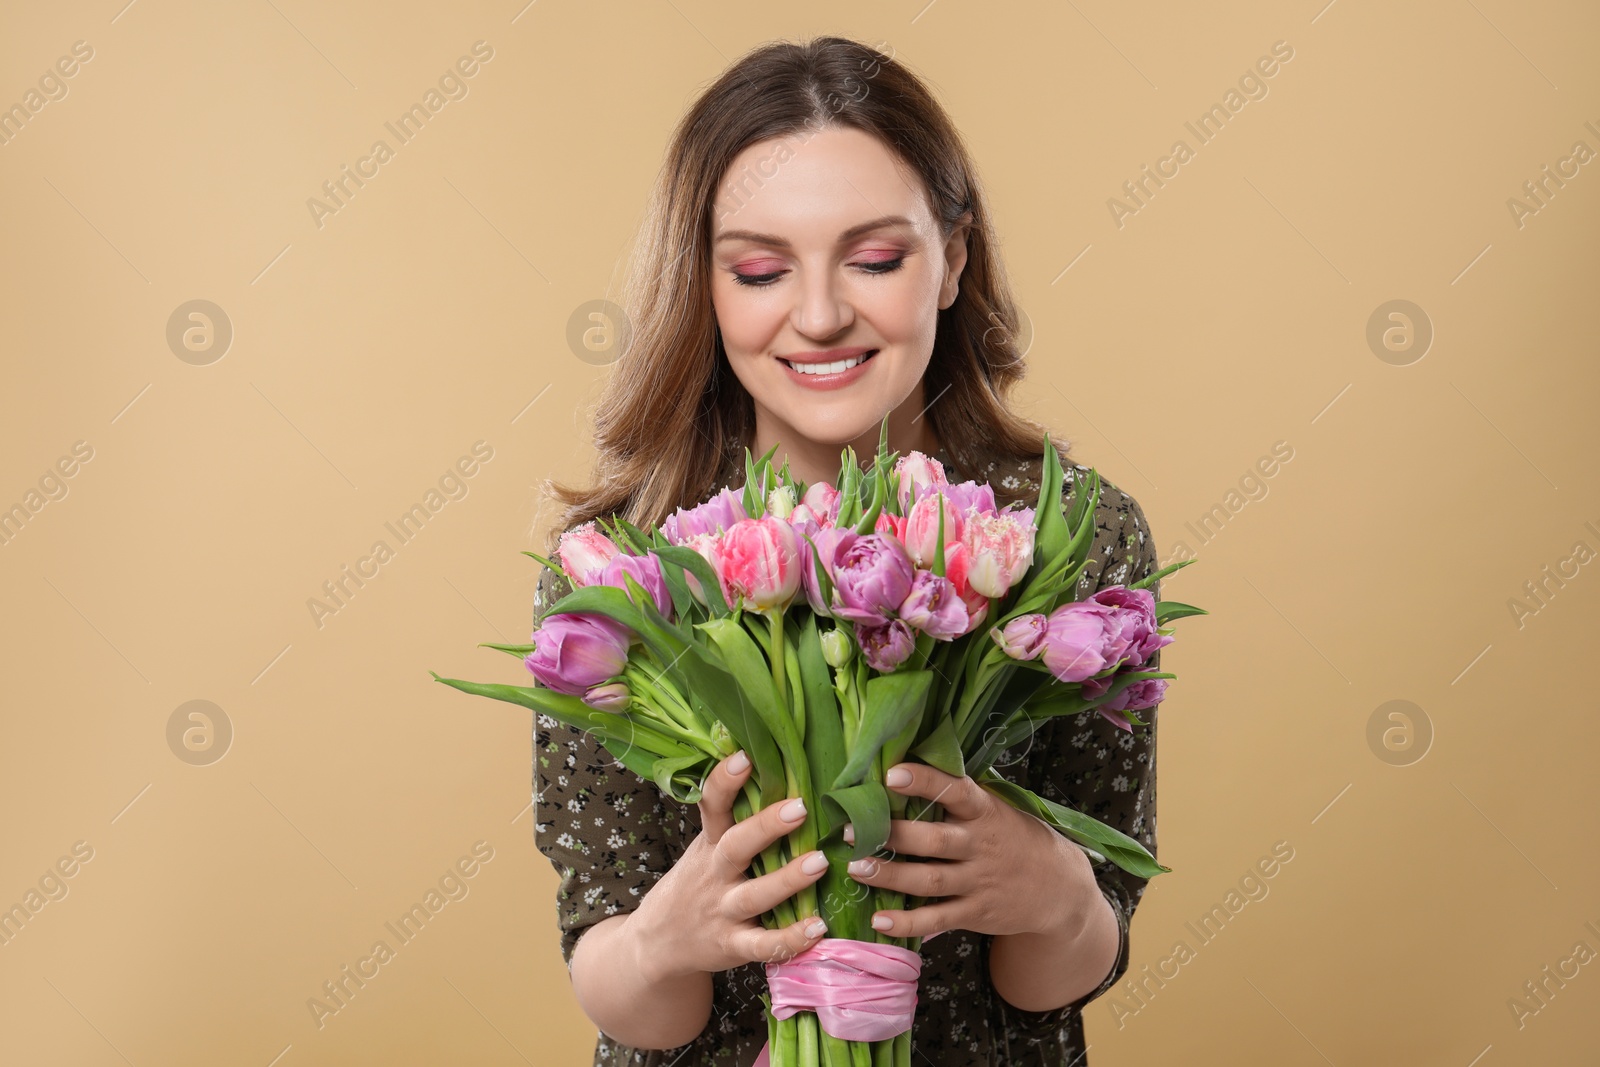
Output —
(820, 309)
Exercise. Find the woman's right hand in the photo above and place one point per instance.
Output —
(704, 913)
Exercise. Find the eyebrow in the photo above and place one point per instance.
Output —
(780, 242)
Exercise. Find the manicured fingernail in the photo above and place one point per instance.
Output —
(850, 833)
(815, 863)
(795, 810)
(816, 928)
(738, 763)
(899, 776)
(863, 866)
(881, 922)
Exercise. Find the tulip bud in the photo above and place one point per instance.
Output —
(781, 502)
(613, 697)
(1022, 637)
(837, 648)
(722, 740)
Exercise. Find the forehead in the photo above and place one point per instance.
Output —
(811, 185)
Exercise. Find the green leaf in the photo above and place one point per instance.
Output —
(866, 807)
(892, 700)
(519, 651)
(557, 567)
(1167, 610)
(941, 749)
(750, 669)
(667, 775)
(824, 735)
(1155, 576)
(688, 559)
(1113, 844)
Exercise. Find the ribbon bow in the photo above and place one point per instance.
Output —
(860, 990)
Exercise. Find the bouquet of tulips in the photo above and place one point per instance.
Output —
(832, 631)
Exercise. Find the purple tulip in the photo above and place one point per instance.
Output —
(646, 570)
(1022, 637)
(934, 607)
(718, 513)
(576, 651)
(886, 646)
(827, 540)
(1075, 640)
(613, 697)
(1133, 630)
(1137, 696)
(871, 576)
(968, 495)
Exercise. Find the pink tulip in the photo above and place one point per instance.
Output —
(822, 500)
(706, 545)
(918, 472)
(584, 552)
(971, 496)
(921, 533)
(576, 651)
(759, 563)
(893, 525)
(956, 563)
(1002, 551)
(934, 607)
(1138, 696)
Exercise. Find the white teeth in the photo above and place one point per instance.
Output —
(828, 368)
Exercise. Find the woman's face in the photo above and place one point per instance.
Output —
(826, 256)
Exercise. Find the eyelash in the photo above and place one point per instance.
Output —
(888, 266)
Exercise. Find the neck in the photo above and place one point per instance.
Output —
(813, 461)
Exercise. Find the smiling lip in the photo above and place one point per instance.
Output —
(831, 380)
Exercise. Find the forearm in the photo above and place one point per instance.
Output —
(618, 988)
(1048, 969)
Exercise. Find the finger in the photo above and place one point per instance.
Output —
(757, 896)
(934, 879)
(760, 945)
(716, 797)
(746, 840)
(917, 837)
(923, 922)
(961, 797)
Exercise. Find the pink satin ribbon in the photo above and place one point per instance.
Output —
(860, 990)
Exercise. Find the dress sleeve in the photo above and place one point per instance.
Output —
(609, 834)
(1091, 766)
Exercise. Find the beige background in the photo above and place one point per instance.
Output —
(429, 313)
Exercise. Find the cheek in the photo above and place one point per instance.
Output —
(748, 323)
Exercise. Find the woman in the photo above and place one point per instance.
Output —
(818, 254)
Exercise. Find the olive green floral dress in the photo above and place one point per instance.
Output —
(611, 835)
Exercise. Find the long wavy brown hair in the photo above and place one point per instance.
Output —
(672, 413)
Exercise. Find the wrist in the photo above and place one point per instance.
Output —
(653, 958)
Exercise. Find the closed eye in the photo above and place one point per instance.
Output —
(884, 266)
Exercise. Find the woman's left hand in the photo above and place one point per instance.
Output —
(999, 870)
